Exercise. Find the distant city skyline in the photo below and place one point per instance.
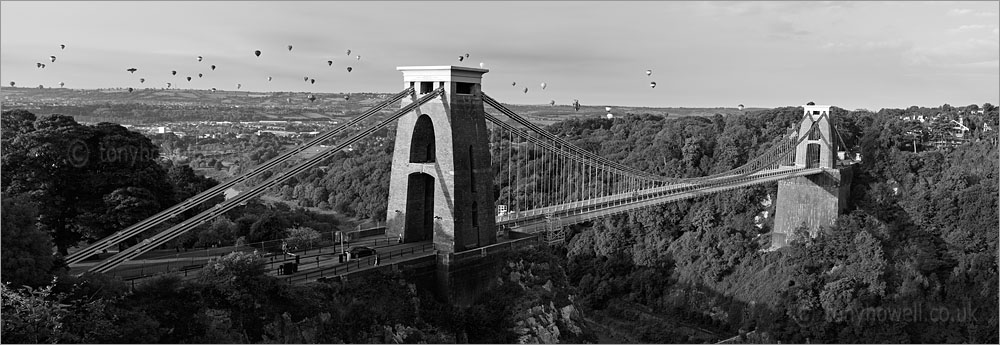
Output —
(702, 54)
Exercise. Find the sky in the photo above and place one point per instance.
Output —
(852, 55)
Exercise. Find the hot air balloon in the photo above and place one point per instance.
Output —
(11, 84)
(132, 70)
(349, 69)
(257, 53)
(53, 58)
(525, 90)
(289, 47)
(189, 78)
(312, 81)
(38, 65)
(466, 55)
(460, 58)
(740, 107)
(200, 75)
(611, 116)
(305, 79)
(513, 83)
(329, 62)
(348, 52)
(213, 67)
(347, 97)
(213, 89)
(199, 59)
(649, 72)
(608, 109)
(43, 65)
(130, 90)
(652, 84)
(61, 84)
(62, 46)
(142, 80)
(168, 85)
(312, 98)
(553, 102)
(288, 100)
(481, 65)
(173, 72)
(543, 86)
(576, 104)
(268, 78)
(238, 86)
(359, 57)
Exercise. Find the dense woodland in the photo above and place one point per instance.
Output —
(919, 237)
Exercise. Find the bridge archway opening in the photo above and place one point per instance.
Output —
(812, 155)
(422, 145)
(419, 208)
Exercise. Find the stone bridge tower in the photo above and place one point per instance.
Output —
(441, 186)
(813, 201)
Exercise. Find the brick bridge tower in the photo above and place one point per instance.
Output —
(813, 201)
(441, 186)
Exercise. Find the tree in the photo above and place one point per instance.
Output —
(301, 238)
(32, 316)
(27, 253)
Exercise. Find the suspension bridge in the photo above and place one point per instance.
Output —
(463, 178)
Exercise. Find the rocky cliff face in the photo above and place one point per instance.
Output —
(545, 313)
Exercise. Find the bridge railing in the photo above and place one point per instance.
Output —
(494, 249)
(359, 264)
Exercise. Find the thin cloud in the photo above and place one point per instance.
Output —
(959, 11)
(972, 27)
(986, 14)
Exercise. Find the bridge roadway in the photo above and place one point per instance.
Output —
(313, 263)
(535, 220)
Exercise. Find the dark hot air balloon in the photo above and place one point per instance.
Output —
(238, 86)
(38, 65)
(11, 84)
(460, 58)
(652, 84)
(312, 81)
(213, 67)
(553, 102)
(349, 69)
(289, 47)
(268, 78)
(305, 79)
(740, 107)
(513, 83)
(200, 75)
(189, 78)
(466, 55)
(43, 65)
(53, 58)
(199, 59)
(649, 72)
(347, 97)
(256, 52)
(62, 46)
(142, 80)
(130, 90)
(348, 52)
(132, 70)
(329, 62)
(168, 85)
(173, 72)
(311, 98)
(61, 84)
(525, 90)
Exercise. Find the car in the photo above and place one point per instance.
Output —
(361, 251)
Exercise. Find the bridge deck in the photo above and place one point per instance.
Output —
(535, 220)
